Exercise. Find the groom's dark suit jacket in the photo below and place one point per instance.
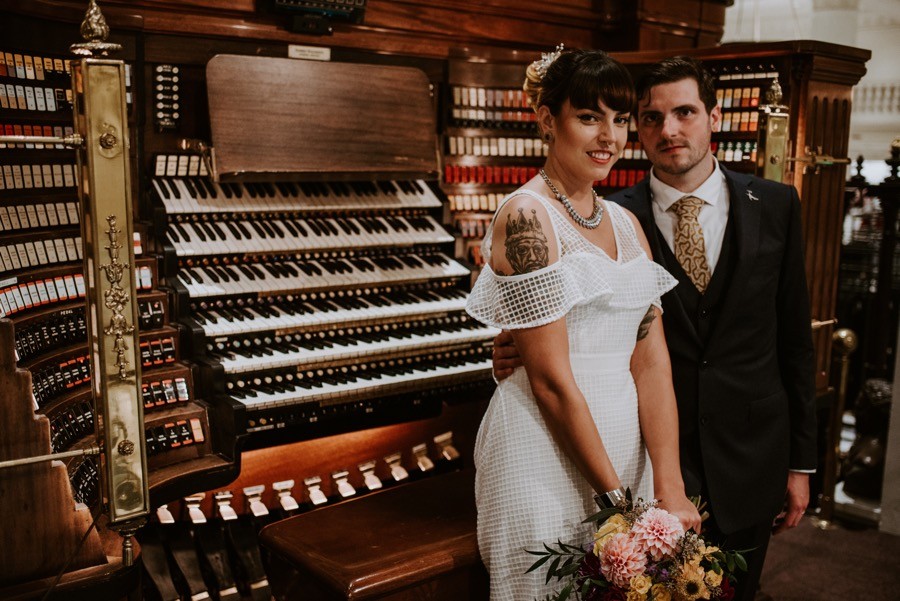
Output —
(742, 355)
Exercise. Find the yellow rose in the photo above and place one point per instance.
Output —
(713, 578)
(641, 584)
(620, 522)
(610, 527)
(659, 592)
(635, 596)
(710, 550)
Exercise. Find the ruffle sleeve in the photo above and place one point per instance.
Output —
(537, 298)
(641, 283)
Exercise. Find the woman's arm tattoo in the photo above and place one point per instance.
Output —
(644, 327)
(526, 245)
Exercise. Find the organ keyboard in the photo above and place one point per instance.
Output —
(286, 273)
(198, 194)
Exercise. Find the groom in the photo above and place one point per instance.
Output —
(738, 323)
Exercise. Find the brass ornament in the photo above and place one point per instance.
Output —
(95, 31)
(116, 297)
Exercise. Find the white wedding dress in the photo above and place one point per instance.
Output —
(527, 491)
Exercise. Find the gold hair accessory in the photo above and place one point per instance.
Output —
(547, 58)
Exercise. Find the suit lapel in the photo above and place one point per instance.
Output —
(745, 210)
(638, 201)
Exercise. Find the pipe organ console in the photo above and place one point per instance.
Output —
(300, 302)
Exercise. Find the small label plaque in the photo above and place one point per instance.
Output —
(310, 53)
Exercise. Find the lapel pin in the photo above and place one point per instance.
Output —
(750, 195)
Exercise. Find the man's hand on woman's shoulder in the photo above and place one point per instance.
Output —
(505, 357)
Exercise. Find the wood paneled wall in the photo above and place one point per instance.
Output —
(429, 28)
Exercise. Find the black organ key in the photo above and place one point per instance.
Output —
(195, 227)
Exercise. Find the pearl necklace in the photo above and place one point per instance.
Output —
(588, 223)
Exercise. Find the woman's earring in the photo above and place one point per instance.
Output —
(548, 137)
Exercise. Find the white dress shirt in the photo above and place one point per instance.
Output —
(713, 215)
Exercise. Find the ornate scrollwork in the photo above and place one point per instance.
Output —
(116, 297)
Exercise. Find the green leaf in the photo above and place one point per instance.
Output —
(536, 552)
(740, 562)
(565, 592)
(729, 562)
(551, 571)
(568, 570)
(538, 563)
(716, 567)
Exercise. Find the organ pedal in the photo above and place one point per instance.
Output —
(212, 550)
(341, 482)
(156, 564)
(444, 443)
(181, 545)
(192, 507)
(253, 496)
(314, 491)
(285, 498)
(241, 535)
(398, 472)
(423, 461)
(371, 481)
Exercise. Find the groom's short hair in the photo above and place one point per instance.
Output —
(675, 69)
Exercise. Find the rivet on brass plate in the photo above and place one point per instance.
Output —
(126, 447)
(108, 141)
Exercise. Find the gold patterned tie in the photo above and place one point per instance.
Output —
(690, 250)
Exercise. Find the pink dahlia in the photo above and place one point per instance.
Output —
(622, 559)
(657, 532)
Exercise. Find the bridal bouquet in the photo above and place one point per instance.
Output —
(640, 553)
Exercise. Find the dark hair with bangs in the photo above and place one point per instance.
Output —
(582, 77)
(675, 69)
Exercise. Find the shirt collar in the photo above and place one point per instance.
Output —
(710, 191)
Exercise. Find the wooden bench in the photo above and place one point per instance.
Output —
(415, 541)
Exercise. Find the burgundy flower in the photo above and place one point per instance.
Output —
(727, 590)
(590, 567)
(613, 594)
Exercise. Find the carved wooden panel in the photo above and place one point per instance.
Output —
(435, 28)
(825, 129)
(37, 498)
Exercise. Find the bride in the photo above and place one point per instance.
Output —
(593, 411)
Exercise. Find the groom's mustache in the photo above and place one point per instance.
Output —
(670, 144)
